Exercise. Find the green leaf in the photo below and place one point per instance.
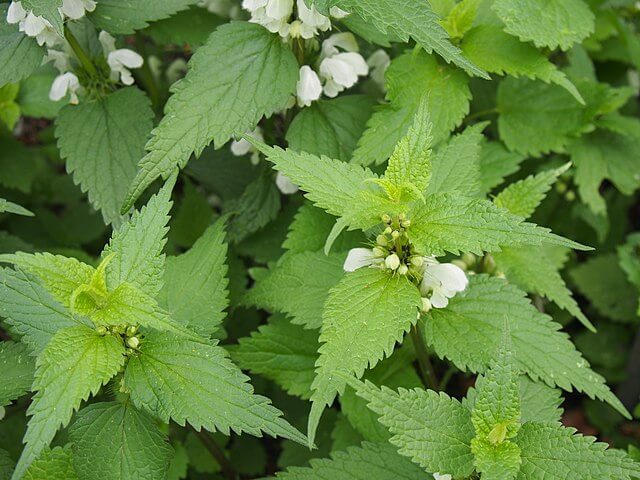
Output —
(364, 316)
(138, 245)
(467, 331)
(496, 163)
(496, 462)
(539, 402)
(34, 94)
(48, 9)
(373, 461)
(115, 441)
(460, 19)
(191, 27)
(10, 207)
(547, 23)
(6, 464)
(20, 55)
(54, 464)
(453, 223)
(126, 16)
(102, 141)
(557, 453)
(498, 52)
(605, 155)
(195, 290)
(73, 366)
(187, 381)
(524, 196)
(242, 73)
(431, 428)
(410, 78)
(629, 259)
(410, 161)
(456, 165)
(410, 19)
(330, 127)
(30, 310)
(282, 352)
(18, 368)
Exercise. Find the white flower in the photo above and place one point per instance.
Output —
(16, 13)
(341, 69)
(441, 281)
(440, 476)
(361, 257)
(32, 25)
(107, 41)
(337, 12)
(120, 60)
(308, 88)
(378, 62)
(272, 14)
(241, 147)
(343, 41)
(75, 9)
(285, 185)
(311, 21)
(392, 262)
(222, 8)
(63, 84)
(59, 59)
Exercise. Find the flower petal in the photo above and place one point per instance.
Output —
(358, 258)
(450, 276)
(309, 87)
(16, 13)
(285, 185)
(438, 300)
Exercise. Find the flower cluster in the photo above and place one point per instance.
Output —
(438, 282)
(128, 334)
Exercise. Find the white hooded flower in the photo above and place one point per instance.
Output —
(121, 60)
(308, 88)
(75, 9)
(311, 21)
(63, 84)
(285, 185)
(272, 14)
(442, 281)
(440, 476)
(32, 25)
(15, 13)
(361, 257)
(378, 62)
(342, 64)
(60, 60)
(242, 147)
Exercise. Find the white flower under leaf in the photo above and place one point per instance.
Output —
(378, 63)
(441, 281)
(342, 64)
(271, 14)
(66, 83)
(119, 60)
(61, 60)
(311, 21)
(285, 185)
(32, 25)
(76, 9)
(440, 476)
(361, 257)
(309, 87)
(222, 8)
(241, 147)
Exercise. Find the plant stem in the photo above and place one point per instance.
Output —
(80, 53)
(147, 77)
(429, 377)
(216, 452)
(481, 113)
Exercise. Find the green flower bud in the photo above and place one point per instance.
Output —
(102, 330)
(131, 330)
(426, 304)
(561, 187)
(402, 217)
(469, 259)
(392, 262)
(405, 223)
(386, 218)
(403, 269)
(379, 252)
(133, 342)
(387, 231)
(570, 196)
(417, 261)
(459, 263)
(382, 240)
(395, 234)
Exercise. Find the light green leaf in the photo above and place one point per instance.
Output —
(30, 310)
(373, 461)
(460, 19)
(282, 352)
(126, 16)
(115, 441)
(102, 141)
(496, 163)
(432, 429)
(242, 73)
(547, 23)
(330, 127)
(10, 207)
(410, 78)
(467, 331)
(20, 55)
(54, 464)
(18, 368)
(73, 366)
(553, 452)
(195, 290)
(498, 52)
(453, 223)
(364, 316)
(187, 381)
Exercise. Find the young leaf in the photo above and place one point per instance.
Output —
(18, 368)
(124, 17)
(102, 141)
(432, 429)
(187, 381)
(19, 54)
(467, 331)
(54, 464)
(195, 289)
(222, 95)
(364, 316)
(115, 441)
(10, 207)
(73, 366)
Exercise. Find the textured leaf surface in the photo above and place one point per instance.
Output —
(47, 9)
(54, 464)
(468, 330)
(222, 95)
(282, 352)
(30, 310)
(18, 369)
(373, 461)
(195, 284)
(547, 23)
(124, 17)
(453, 223)
(73, 366)
(496, 163)
(364, 316)
(432, 429)
(19, 54)
(102, 141)
(114, 441)
(195, 382)
(552, 452)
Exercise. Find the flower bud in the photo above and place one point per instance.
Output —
(489, 263)
(102, 330)
(386, 218)
(570, 196)
(131, 330)
(392, 262)
(387, 231)
(405, 223)
(402, 217)
(382, 240)
(460, 264)
(426, 304)
(379, 252)
(133, 342)
(417, 261)
(395, 234)
(469, 259)
(403, 269)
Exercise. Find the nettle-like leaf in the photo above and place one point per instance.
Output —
(102, 141)
(10, 207)
(496, 163)
(222, 95)
(52, 464)
(18, 368)
(124, 17)
(47, 9)
(20, 55)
